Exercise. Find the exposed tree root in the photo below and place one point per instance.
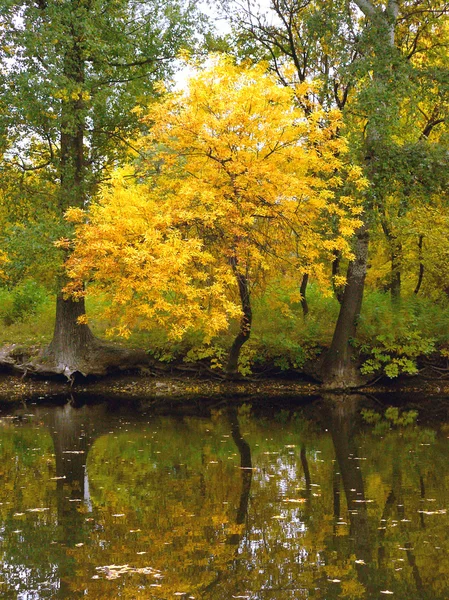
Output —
(98, 359)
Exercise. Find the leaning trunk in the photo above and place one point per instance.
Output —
(245, 322)
(338, 368)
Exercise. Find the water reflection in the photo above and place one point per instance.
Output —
(298, 502)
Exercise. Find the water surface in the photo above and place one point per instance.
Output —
(311, 501)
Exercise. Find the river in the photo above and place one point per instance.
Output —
(319, 498)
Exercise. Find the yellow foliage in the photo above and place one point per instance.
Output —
(236, 180)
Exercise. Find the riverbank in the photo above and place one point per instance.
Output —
(176, 388)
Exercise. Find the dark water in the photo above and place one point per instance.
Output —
(311, 501)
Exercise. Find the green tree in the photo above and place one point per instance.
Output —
(380, 64)
(73, 71)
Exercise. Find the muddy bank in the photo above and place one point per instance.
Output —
(14, 388)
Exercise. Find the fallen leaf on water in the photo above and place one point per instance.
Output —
(114, 571)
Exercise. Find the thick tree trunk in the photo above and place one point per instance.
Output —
(339, 369)
(245, 322)
(71, 339)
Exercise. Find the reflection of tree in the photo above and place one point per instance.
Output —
(346, 452)
(246, 469)
(73, 431)
(220, 514)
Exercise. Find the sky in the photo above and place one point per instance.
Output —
(222, 26)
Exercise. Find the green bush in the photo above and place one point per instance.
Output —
(392, 337)
(22, 302)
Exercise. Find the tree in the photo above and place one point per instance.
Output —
(73, 72)
(237, 180)
(376, 61)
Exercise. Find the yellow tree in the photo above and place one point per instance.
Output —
(236, 178)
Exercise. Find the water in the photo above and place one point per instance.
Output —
(312, 501)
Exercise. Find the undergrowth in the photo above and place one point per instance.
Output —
(391, 338)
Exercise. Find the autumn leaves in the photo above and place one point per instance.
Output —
(232, 184)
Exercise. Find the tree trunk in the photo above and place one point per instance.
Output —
(71, 339)
(339, 370)
(421, 266)
(245, 322)
(303, 291)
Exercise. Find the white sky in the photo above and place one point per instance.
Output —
(222, 26)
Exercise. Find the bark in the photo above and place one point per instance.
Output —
(71, 340)
(396, 265)
(421, 266)
(339, 369)
(303, 291)
(245, 322)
